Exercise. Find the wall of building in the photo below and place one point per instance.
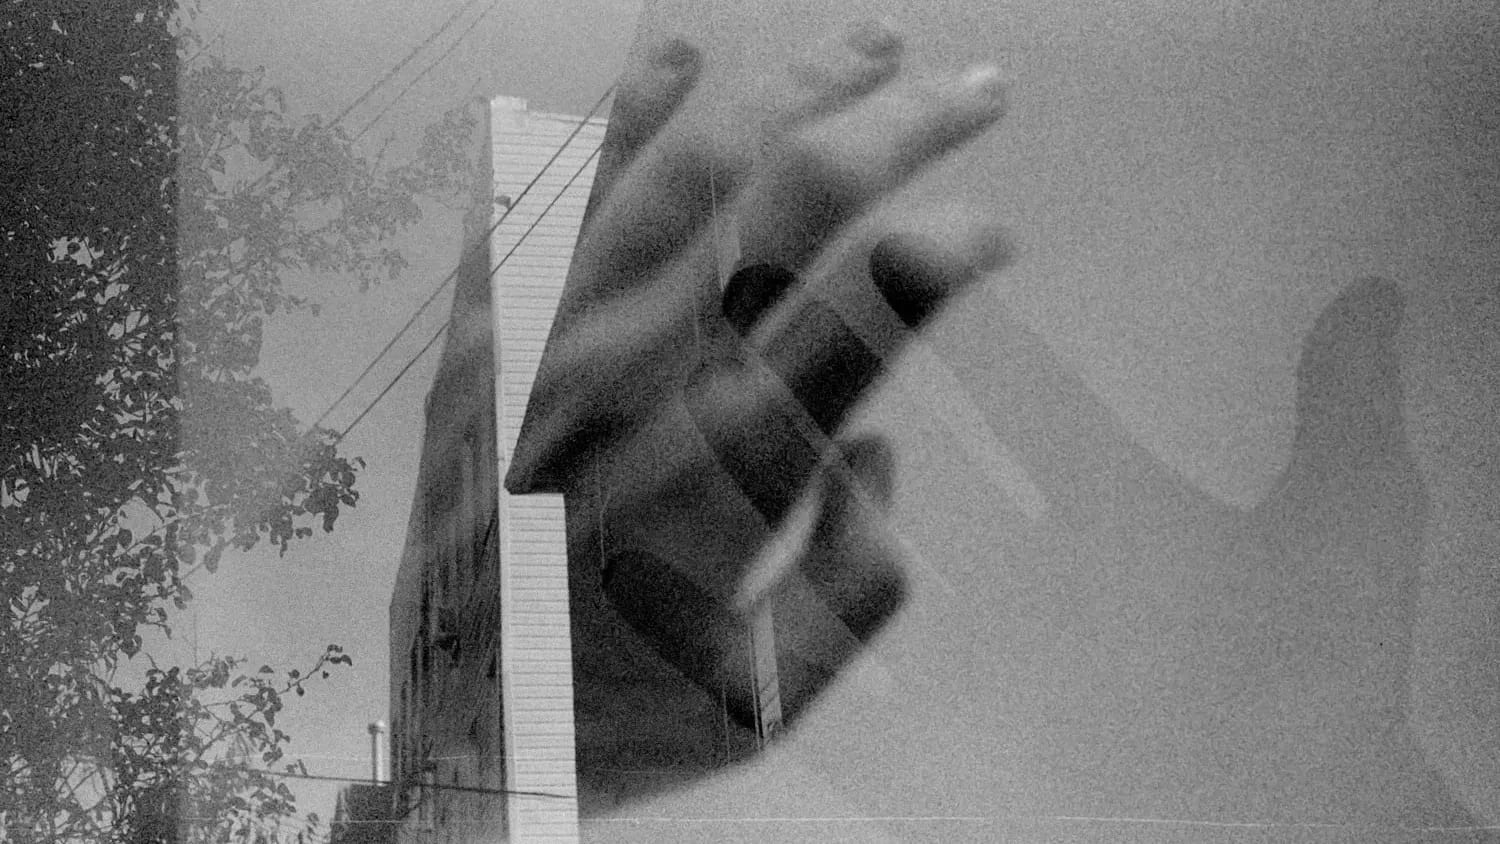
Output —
(453, 759)
(445, 705)
(362, 815)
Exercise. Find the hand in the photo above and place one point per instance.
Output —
(690, 425)
(1198, 661)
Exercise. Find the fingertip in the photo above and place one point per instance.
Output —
(985, 87)
(854, 567)
(751, 293)
(675, 54)
(687, 627)
(919, 271)
(915, 277)
(876, 39)
(651, 92)
(885, 593)
(872, 462)
(991, 248)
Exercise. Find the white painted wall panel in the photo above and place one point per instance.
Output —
(531, 251)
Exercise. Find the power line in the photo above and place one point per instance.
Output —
(471, 789)
(426, 70)
(203, 49)
(534, 223)
(514, 203)
(374, 86)
(371, 406)
(254, 183)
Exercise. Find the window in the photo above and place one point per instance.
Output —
(468, 495)
(401, 734)
(442, 547)
(424, 674)
(426, 794)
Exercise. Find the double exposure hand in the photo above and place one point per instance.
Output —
(704, 416)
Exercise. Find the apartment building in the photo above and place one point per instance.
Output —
(481, 704)
(520, 698)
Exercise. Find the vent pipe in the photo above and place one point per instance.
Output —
(377, 751)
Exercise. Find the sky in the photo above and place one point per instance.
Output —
(1190, 185)
(335, 588)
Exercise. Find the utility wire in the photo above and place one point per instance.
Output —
(428, 69)
(437, 291)
(254, 183)
(374, 86)
(522, 239)
(472, 789)
(201, 50)
(534, 223)
(371, 406)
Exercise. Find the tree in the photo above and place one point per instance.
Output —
(152, 208)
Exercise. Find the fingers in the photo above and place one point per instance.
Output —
(661, 204)
(751, 293)
(844, 584)
(645, 101)
(835, 73)
(627, 329)
(767, 419)
(849, 562)
(833, 338)
(693, 631)
(828, 170)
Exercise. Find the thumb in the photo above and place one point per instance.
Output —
(1349, 388)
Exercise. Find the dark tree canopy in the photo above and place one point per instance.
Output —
(152, 200)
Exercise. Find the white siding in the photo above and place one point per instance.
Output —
(536, 654)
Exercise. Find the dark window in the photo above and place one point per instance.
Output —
(468, 504)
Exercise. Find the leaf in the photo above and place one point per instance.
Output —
(155, 138)
(211, 558)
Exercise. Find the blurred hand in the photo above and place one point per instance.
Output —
(1203, 661)
(706, 419)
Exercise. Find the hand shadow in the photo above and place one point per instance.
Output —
(1148, 651)
(1199, 661)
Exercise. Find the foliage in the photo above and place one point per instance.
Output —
(190, 758)
(151, 209)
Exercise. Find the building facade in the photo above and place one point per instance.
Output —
(521, 698)
(361, 815)
(481, 682)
